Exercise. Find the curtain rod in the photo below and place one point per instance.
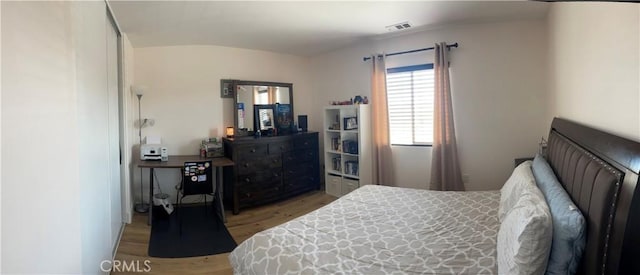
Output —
(454, 45)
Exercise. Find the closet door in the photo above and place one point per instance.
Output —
(95, 159)
(114, 134)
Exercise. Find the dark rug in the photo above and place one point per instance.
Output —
(203, 233)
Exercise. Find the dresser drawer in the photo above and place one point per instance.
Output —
(248, 166)
(259, 177)
(300, 170)
(302, 183)
(305, 142)
(250, 151)
(278, 148)
(258, 193)
(298, 156)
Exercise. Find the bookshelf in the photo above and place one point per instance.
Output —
(347, 148)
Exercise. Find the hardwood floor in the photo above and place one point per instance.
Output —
(135, 239)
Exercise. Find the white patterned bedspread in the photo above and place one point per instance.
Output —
(381, 230)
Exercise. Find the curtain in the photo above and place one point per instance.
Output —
(382, 165)
(445, 166)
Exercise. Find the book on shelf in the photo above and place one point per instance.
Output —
(336, 163)
(351, 167)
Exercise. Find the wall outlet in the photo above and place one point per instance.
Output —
(465, 178)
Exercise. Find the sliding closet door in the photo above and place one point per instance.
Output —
(89, 29)
(98, 142)
(114, 135)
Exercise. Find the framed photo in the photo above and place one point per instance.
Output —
(350, 123)
(264, 117)
(226, 88)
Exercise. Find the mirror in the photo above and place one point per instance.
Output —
(262, 106)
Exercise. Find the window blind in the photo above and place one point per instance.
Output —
(410, 105)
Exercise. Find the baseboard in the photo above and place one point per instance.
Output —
(115, 247)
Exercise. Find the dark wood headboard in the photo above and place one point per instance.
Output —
(600, 172)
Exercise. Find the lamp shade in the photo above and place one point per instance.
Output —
(229, 132)
(138, 89)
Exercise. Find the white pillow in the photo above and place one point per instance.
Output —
(521, 178)
(524, 238)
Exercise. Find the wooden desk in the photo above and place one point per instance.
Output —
(178, 162)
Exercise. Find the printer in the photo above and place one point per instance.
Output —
(154, 152)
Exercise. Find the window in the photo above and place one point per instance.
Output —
(410, 101)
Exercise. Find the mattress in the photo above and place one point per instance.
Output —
(380, 229)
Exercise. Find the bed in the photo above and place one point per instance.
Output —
(387, 230)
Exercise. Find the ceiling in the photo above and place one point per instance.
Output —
(304, 28)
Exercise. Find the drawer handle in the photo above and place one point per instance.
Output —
(247, 179)
(275, 175)
(253, 150)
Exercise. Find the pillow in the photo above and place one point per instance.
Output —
(510, 192)
(524, 237)
(569, 226)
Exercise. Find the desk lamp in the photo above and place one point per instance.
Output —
(140, 207)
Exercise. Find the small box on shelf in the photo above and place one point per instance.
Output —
(348, 185)
(336, 145)
(350, 146)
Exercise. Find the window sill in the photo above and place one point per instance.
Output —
(411, 145)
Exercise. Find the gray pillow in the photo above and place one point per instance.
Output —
(569, 226)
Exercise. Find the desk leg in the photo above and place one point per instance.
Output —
(150, 195)
(219, 193)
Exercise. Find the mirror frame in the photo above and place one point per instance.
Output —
(236, 83)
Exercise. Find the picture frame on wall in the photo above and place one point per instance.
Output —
(226, 88)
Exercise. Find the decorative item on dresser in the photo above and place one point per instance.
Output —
(270, 168)
(347, 147)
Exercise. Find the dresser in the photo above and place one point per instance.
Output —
(270, 168)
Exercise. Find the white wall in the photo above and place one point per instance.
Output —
(130, 110)
(498, 84)
(41, 221)
(594, 65)
(55, 138)
(183, 94)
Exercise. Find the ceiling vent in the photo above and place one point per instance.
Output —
(399, 26)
